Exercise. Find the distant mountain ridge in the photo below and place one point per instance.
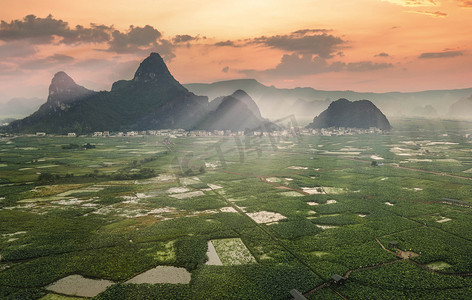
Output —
(305, 102)
(426, 111)
(20, 107)
(462, 108)
(358, 114)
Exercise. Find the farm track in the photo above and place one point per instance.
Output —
(415, 263)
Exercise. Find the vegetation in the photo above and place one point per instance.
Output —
(125, 207)
(145, 291)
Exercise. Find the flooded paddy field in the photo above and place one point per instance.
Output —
(133, 216)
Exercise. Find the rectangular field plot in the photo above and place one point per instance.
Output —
(233, 252)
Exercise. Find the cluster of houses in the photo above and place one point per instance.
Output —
(294, 131)
(340, 131)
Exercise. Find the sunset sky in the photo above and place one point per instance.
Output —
(360, 45)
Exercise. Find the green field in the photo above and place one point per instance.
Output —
(283, 213)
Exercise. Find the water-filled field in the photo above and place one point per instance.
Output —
(391, 213)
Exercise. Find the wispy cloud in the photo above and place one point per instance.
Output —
(464, 3)
(437, 14)
(382, 54)
(227, 43)
(366, 66)
(16, 49)
(305, 41)
(185, 38)
(414, 2)
(444, 54)
(53, 60)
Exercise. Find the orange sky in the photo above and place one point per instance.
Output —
(361, 45)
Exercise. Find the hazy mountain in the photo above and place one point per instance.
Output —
(153, 99)
(243, 97)
(462, 108)
(426, 111)
(235, 112)
(357, 114)
(274, 102)
(248, 101)
(20, 107)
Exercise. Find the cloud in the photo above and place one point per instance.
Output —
(94, 34)
(53, 60)
(305, 31)
(136, 38)
(305, 41)
(44, 30)
(35, 31)
(225, 69)
(436, 14)
(443, 54)
(227, 43)
(464, 3)
(382, 54)
(41, 30)
(366, 66)
(293, 65)
(185, 38)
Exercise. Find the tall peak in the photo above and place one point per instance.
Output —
(63, 89)
(60, 82)
(152, 69)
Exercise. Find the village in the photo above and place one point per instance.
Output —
(173, 133)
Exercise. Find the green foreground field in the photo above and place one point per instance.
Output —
(301, 209)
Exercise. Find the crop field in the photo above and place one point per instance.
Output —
(390, 213)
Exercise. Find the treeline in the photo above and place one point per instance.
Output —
(48, 178)
(75, 146)
(126, 173)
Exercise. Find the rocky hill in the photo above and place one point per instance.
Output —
(153, 99)
(357, 114)
(63, 92)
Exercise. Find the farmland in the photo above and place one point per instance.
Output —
(282, 214)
